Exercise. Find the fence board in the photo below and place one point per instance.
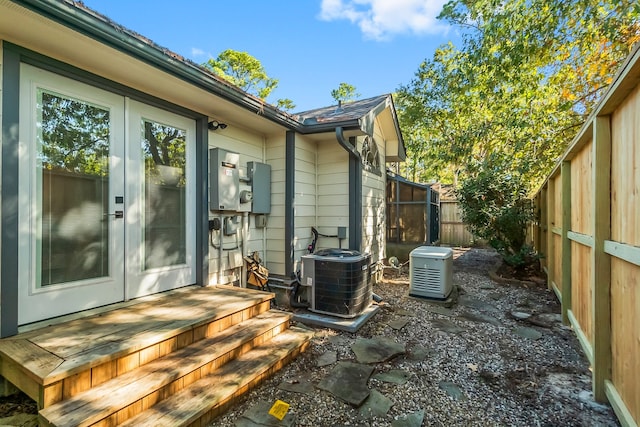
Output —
(625, 176)
(557, 261)
(452, 230)
(581, 293)
(625, 326)
(581, 191)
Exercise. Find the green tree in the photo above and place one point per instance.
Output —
(527, 75)
(285, 104)
(344, 92)
(500, 109)
(244, 71)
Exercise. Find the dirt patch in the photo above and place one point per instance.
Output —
(18, 403)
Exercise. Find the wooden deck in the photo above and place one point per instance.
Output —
(108, 368)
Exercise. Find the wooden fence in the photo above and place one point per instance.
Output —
(453, 232)
(589, 234)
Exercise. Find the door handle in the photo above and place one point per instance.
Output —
(117, 214)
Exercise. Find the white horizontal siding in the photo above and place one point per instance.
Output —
(275, 156)
(305, 201)
(373, 204)
(333, 193)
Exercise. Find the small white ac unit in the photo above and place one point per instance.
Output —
(431, 272)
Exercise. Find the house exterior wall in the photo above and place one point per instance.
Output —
(305, 202)
(140, 73)
(333, 192)
(373, 204)
(250, 146)
(275, 231)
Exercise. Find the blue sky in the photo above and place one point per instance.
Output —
(310, 46)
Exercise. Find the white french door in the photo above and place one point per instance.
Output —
(106, 209)
(160, 237)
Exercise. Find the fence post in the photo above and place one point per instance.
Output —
(600, 261)
(551, 253)
(543, 229)
(566, 243)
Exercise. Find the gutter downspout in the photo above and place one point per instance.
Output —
(355, 190)
(289, 203)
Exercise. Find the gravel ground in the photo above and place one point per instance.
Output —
(469, 366)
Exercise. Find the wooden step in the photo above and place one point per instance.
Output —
(53, 363)
(132, 392)
(208, 397)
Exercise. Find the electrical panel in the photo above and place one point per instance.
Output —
(224, 193)
(260, 176)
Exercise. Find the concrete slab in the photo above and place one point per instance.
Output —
(348, 381)
(327, 358)
(446, 326)
(339, 323)
(469, 301)
(411, 420)
(398, 324)
(403, 312)
(377, 405)
(377, 349)
(451, 300)
(478, 317)
(439, 310)
(419, 352)
(452, 390)
(528, 333)
(394, 376)
(303, 386)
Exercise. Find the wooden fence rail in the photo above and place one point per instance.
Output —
(588, 231)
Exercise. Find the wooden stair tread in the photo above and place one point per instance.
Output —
(125, 341)
(34, 360)
(121, 324)
(101, 401)
(190, 404)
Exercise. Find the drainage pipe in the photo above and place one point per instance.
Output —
(355, 189)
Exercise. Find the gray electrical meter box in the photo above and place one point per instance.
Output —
(260, 176)
(224, 190)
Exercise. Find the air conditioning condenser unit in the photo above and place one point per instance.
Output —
(339, 281)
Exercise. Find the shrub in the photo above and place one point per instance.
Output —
(496, 208)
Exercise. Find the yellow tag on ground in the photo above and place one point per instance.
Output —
(279, 409)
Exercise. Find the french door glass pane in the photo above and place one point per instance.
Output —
(164, 157)
(73, 181)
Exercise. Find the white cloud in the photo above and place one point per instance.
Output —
(381, 19)
(196, 52)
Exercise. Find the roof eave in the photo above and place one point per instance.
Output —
(78, 20)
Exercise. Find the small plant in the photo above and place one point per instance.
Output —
(496, 208)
